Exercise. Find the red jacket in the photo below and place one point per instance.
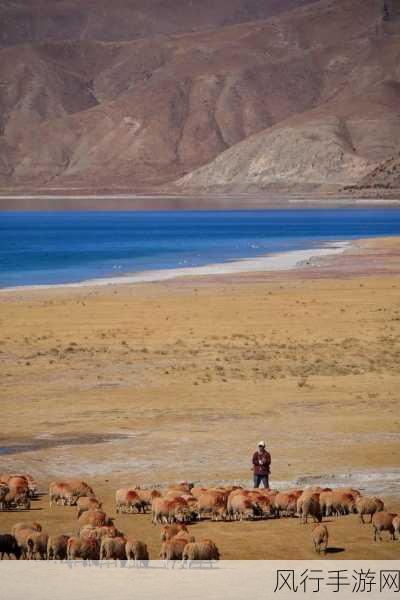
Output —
(261, 463)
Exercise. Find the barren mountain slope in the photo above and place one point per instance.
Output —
(25, 21)
(144, 113)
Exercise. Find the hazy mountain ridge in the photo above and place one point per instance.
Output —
(305, 97)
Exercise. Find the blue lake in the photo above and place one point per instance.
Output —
(66, 247)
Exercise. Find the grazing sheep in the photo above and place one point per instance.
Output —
(205, 550)
(17, 501)
(78, 548)
(337, 502)
(169, 531)
(240, 507)
(113, 548)
(368, 506)
(37, 545)
(146, 497)
(137, 551)
(214, 504)
(62, 493)
(9, 546)
(168, 511)
(128, 501)
(383, 521)
(23, 536)
(309, 506)
(285, 504)
(57, 547)
(32, 525)
(320, 537)
(98, 533)
(173, 549)
(95, 517)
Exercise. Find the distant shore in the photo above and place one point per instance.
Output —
(200, 201)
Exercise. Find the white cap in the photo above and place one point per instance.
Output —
(261, 444)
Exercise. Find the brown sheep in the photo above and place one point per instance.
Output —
(57, 547)
(337, 502)
(37, 545)
(173, 549)
(168, 511)
(213, 504)
(95, 517)
(17, 500)
(78, 548)
(90, 531)
(309, 506)
(240, 507)
(169, 531)
(383, 521)
(137, 551)
(285, 504)
(368, 506)
(32, 525)
(113, 548)
(320, 537)
(128, 501)
(205, 550)
(146, 497)
(23, 536)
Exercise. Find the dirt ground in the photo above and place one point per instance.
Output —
(150, 384)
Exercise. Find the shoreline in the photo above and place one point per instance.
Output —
(190, 202)
(279, 261)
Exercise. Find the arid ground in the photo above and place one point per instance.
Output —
(156, 383)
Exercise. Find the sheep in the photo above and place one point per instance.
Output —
(173, 549)
(383, 521)
(17, 501)
(368, 506)
(23, 536)
(85, 549)
(57, 547)
(112, 548)
(9, 546)
(95, 517)
(309, 506)
(32, 525)
(320, 537)
(146, 497)
(168, 511)
(37, 545)
(137, 551)
(240, 507)
(127, 501)
(169, 531)
(214, 504)
(91, 531)
(285, 503)
(62, 493)
(205, 550)
(337, 502)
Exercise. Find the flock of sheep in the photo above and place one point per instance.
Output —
(173, 509)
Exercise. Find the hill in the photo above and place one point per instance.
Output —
(173, 96)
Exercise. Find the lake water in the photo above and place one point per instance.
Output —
(38, 248)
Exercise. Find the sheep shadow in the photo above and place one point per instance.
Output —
(334, 550)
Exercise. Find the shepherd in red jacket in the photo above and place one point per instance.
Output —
(261, 466)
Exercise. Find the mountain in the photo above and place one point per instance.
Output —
(185, 95)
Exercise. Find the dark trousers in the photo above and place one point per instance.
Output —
(261, 479)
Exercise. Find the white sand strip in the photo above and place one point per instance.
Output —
(283, 261)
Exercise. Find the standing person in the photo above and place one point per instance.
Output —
(261, 466)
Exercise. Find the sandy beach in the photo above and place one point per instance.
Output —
(150, 383)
